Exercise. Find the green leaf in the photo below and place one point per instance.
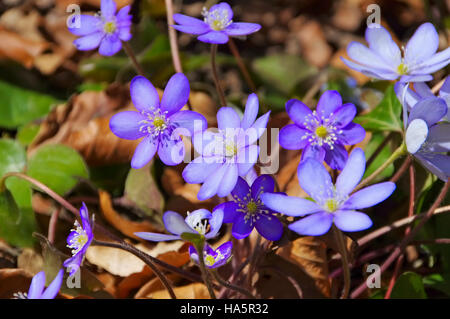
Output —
(375, 141)
(58, 167)
(17, 225)
(19, 106)
(283, 72)
(12, 156)
(438, 282)
(141, 188)
(27, 133)
(409, 286)
(386, 116)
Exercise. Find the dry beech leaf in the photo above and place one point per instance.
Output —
(12, 281)
(152, 286)
(124, 225)
(191, 291)
(310, 255)
(175, 254)
(19, 49)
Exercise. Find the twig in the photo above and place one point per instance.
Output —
(205, 274)
(401, 170)
(132, 56)
(228, 285)
(219, 90)
(398, 250)
(147, 260)
(234, 50)
(52, 225)
(342, 247)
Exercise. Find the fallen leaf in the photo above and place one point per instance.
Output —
(191, 291)
(29, 260)
(13, 281)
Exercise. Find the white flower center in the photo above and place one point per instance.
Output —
(322, 131)
(216, 19)
(80, 239)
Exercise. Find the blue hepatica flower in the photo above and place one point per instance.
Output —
(383, 58)
(422, 91)
(37, 291)
(106, 31)
(213, 258)
(427, 140)
(196, 223)
(216, 26)
(228, 153)
(79, 240)
(246, 211)
(160, 124)
(332, 203)
(322, 133)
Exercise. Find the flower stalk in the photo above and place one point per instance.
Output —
(219, 89)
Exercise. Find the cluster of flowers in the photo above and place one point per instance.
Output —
(227, 155)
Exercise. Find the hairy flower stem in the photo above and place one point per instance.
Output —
(219, 90)
(400, 260)
(132, 56)
(147, 260)
(400, 151)
(228, 285)
(406, 240)
(199, 246)
(342, 247)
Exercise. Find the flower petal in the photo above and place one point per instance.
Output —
(199, 169)
(126, 125)
(431, 110)
(251, 111)
(313, 151)
(422, 45)
(352, 134)
(336, 157)
(229, 211)
(350, 220)
(216, 37)
(344, 115)
(241, 28)
(371, 71)
(189, 24)
(215, 222)
(263, 184)
(37, 286)
(241, 227)
(229, 180)
(143, 94)
(380, 41)
(246, 159)
(87, 24)
(156, 236)
(53, 289)
(254, 132)
(269, 227)
(437, 164)
(212, 183)
(416, 134)
(89, 42)
(223, 9)
(171, 152)
(241, 190)
(352, 172)
(315, 180)
(228, 118)
(298, 111)
(439, 137)
(328, 103)
(192, 121)
(313, 225)
(369, 196)
(175, 223)
(108, 8)
(368, 58)
(110, 45)
(176, 93)
(288, 205)
(292, 137)
(144, 152)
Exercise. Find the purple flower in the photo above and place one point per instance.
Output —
(332, 203)
(422, 91)
(322, 133)
(37, 286)
(228, 153)
(427, 140)
(79, 240)
(160, 124)
(217, 24)
(195, 223)
(246, 211)
(383, 58)
(213, 258)
(107, 30)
